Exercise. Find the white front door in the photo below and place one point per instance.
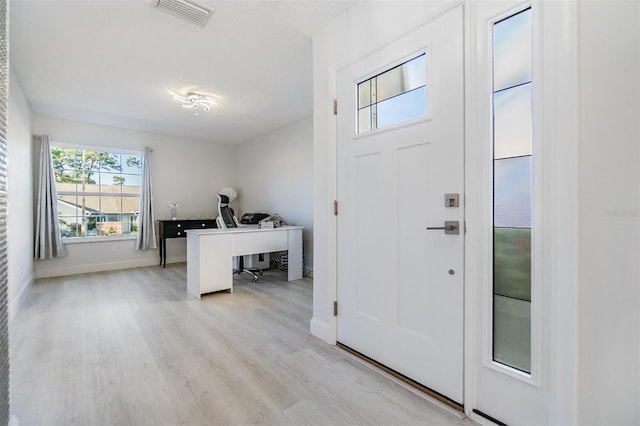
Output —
(399, 285)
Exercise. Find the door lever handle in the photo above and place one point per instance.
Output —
(450, 227)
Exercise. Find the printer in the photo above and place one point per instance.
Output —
(253, 218)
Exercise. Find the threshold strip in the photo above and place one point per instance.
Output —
(422, 388)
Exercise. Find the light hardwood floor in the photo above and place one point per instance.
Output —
(132, 348)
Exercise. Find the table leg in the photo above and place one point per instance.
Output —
(164, 252)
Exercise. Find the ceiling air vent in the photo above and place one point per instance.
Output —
(185, 9)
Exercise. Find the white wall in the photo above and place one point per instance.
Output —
(184, 171)
(20, 212)
(274, 174)
(609, 213)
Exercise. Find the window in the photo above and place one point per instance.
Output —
(98, 191)
(396, 95)
(512, 191)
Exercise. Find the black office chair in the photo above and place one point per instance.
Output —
(227, 219)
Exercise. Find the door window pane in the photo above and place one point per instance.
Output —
(394, 96)
(402, 79)
(401, 108)
(364, 94)
(364, 119)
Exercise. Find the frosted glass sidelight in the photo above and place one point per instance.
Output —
(512, 192)
(401, 108)
(512, 332)
(512, 122)
(512, 51)
(512, 263)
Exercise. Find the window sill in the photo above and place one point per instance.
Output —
(97, 239)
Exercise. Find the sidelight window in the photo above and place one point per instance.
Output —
(512, 191)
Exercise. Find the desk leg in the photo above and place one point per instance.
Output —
(164, 252)
(295, 254)
(161, 240)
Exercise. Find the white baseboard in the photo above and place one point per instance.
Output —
(96, 267)
(16, 304)
(321, 330)
(176, 259)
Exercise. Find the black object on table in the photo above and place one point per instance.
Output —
(176, 229)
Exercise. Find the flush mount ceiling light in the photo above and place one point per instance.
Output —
(194, 101)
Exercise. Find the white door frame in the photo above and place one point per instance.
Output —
(558, 110)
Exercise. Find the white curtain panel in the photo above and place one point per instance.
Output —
(146, 230)
(48, 244)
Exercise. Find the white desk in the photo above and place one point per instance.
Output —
(210, 254)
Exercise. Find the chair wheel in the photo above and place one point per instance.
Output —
(255, 279)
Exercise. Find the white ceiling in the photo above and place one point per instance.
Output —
(113, 62)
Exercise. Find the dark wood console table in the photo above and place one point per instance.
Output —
(176, 229)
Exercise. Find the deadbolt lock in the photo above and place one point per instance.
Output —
(452, 200)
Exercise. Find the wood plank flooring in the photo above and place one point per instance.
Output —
(132, 348)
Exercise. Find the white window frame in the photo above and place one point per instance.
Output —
(115, 150)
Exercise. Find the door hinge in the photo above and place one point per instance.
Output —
(335, 107)
(335, 308)
(335, 207)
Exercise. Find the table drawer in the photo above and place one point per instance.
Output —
(200, 224)
(173, 230)
(177, 228)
